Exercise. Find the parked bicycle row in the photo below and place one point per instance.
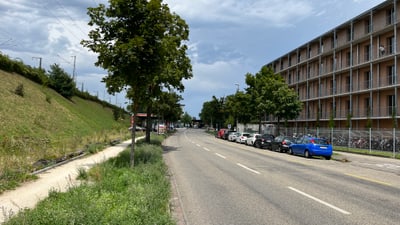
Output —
(307, 146)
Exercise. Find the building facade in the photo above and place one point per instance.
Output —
(349, 75)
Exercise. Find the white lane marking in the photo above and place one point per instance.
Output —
(206, 149)
(247, 168)
(198, 145)
(320, 201)
(224, 157)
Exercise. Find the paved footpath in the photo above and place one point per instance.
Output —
(58, 178)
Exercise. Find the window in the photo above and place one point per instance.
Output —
(390, 16)
(298, 57)
(348, 87)
(391, 104)
(367, 80)
(309, 52)
(290, 61)
(367, 55)
(348, 103)
(350, 34)
(390, 45)
(368, 107)
(281, 65)
(391, 75)
(298, 75)
(333, 110)
(322, 47)
(368, 27)
(348, 59)
(290, 78)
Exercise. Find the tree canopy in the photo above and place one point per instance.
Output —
(61, 82)
(141, 45)
(267, 94)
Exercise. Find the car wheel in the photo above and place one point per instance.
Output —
(290, 151)
(280, 149)
(327, 157)
(306, 154)
(257, 144)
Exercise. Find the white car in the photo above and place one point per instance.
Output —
(232, 136)
(241, 138)
(251, 139)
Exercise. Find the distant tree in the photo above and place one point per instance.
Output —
(213, 112)
(186, 119)
(239, 107)
(168, 106)
(288, 105)
(61, 82)
(260, 88)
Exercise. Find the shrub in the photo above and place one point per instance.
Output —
(20, 90)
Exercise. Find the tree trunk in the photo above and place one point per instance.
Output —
(148, 123)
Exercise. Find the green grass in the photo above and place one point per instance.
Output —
(112, 194)
(42, 125)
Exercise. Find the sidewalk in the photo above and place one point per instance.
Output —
(59, 178)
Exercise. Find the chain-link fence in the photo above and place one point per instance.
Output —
(387, 140)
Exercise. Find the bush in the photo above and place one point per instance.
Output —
(20, 90)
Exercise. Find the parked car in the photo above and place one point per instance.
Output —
(251, 139)
(241, 138)
(221, 133)
(226, 134)
(264, 141)
(281, 143)
(232, 136)
(311, 146)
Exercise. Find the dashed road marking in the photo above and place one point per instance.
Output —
(247, 168)
(320, 201)
(219, 155)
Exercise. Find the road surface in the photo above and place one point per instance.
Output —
(220, 182)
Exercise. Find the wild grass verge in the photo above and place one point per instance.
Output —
(112, 193)
(19, 157)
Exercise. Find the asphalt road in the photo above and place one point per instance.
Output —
(220, 182)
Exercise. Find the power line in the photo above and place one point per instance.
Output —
(70, 17)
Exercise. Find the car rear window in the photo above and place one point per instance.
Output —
(321, 141)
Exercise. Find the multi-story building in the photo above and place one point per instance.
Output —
(349, 73)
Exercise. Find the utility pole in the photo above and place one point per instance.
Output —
(73, 70)
(40, 61)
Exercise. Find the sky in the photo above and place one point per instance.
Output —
(228, 38)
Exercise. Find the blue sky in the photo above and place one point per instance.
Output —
(228, 38)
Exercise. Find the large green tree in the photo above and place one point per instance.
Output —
(140, 44)
(271, 96)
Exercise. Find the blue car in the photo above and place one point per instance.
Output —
(311, 146)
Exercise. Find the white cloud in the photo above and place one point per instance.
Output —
(261, 12)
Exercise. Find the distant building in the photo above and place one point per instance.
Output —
(350, 72)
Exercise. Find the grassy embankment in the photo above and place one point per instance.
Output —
(111, 193)
(42, 127)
